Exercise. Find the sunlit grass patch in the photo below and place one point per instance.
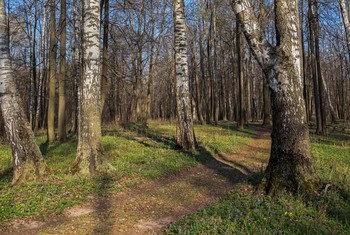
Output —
(137, 155)
(245, 212)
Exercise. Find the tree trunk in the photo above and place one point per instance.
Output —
(39, 110)
(104, 81)
(52, 75)
(76, 68)
(318, 65)
(62, 75)
(28, 163)
(290, 167)
(317, 98)
(201, 57)
(184, 129)
(266, 89)
(90, 160)
(346, 22)
(240, 120)
(197, 85)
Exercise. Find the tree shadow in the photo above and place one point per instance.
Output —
(103, 206)
(6, 175)
(233, 172)
(337, 203)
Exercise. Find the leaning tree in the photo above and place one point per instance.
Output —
(28, 163)
(290, 166)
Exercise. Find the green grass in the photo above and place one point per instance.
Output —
(138, 155)
(244, 212)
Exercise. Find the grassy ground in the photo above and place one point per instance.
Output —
(245, 212)
(138, 156)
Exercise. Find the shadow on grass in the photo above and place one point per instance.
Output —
(47, 148)
(204, 157)
(6, 175)
(103, 206)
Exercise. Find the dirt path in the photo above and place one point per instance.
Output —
(152, 206)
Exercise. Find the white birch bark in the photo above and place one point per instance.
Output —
(290, 167)
(28, 163)
(346, 21)
(90, 159)
(184, 129)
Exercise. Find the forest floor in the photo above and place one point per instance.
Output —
(155, 204)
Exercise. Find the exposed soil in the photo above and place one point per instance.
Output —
(151, 207)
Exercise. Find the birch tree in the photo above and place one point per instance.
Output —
(290, 166)
(346, 21)
(28, 163)
(184, 129)
(90, 159)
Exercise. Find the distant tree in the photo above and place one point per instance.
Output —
(184, 129)
(90, 159)
(240, 121)
(290, 166)
(104, 80)
(52, 74)
(62, 74)
(28, 163)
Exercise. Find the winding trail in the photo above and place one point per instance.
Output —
(151, 207)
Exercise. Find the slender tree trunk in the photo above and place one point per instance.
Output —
(216, 105)
(201, 57)
(290, 167)
(197, 88)
(240, 120)
(62, 74)
(184, 129)
(314, 72)
(90, 159)
(318, 67)
(266, 89)
(39, 110)
(104, 81)
(76, 67)
(52, 75)
(150, 87)
(33, 74)
(305, 90)
(28, 163)
(208, 34)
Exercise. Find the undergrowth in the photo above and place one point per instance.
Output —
(243, 211)
(137, 154)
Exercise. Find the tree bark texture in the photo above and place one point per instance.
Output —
(184, 129)
(90, 159)
(28, 163)
(346, 21)
(104, 82)
(240, 120)
(52, 75)
(290, 166)
(62, 74)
